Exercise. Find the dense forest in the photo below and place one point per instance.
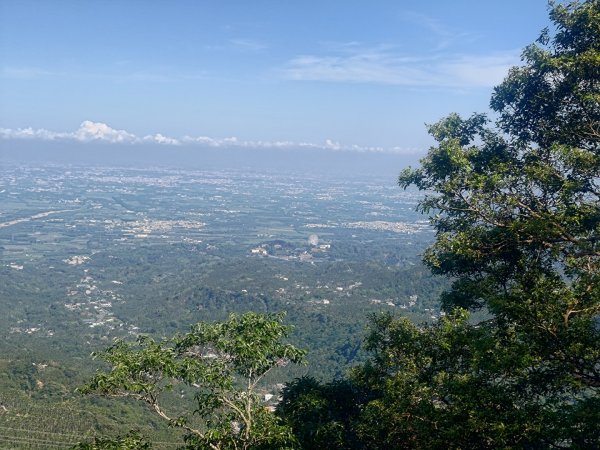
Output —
(515, 206)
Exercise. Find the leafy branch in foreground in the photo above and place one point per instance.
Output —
(223, 362)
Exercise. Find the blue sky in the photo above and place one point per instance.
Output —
(362, 75)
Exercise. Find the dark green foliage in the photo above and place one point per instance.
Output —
(131, 441)
(554, 98)
(321, 415)
(516, 210)
(449, 385)
(518, 225)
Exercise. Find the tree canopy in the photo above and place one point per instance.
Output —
(516, 208)
(223, 363)
(517, 214)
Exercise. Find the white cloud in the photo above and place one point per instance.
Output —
(480, 71)
(384, 67)
(30, 133)
(98, 131)
(211, 142)
(160, 139)
(90, 131)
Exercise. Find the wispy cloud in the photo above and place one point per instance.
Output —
(251, 45)
(90, 131)
(438, 34)
(120, 75)
(245, 45)
(386, 67)
(29, 72)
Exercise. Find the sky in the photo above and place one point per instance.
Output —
(336, 75)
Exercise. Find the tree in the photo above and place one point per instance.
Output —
(224, 363)
(516, 208)
(446, 385)
(321, 415)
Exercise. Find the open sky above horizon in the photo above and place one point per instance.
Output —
(337, 74)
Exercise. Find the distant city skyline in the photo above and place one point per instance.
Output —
(336, 75)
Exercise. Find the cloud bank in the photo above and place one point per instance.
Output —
(90, 131)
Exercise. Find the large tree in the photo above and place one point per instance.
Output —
(224, 365)
(516, 208)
